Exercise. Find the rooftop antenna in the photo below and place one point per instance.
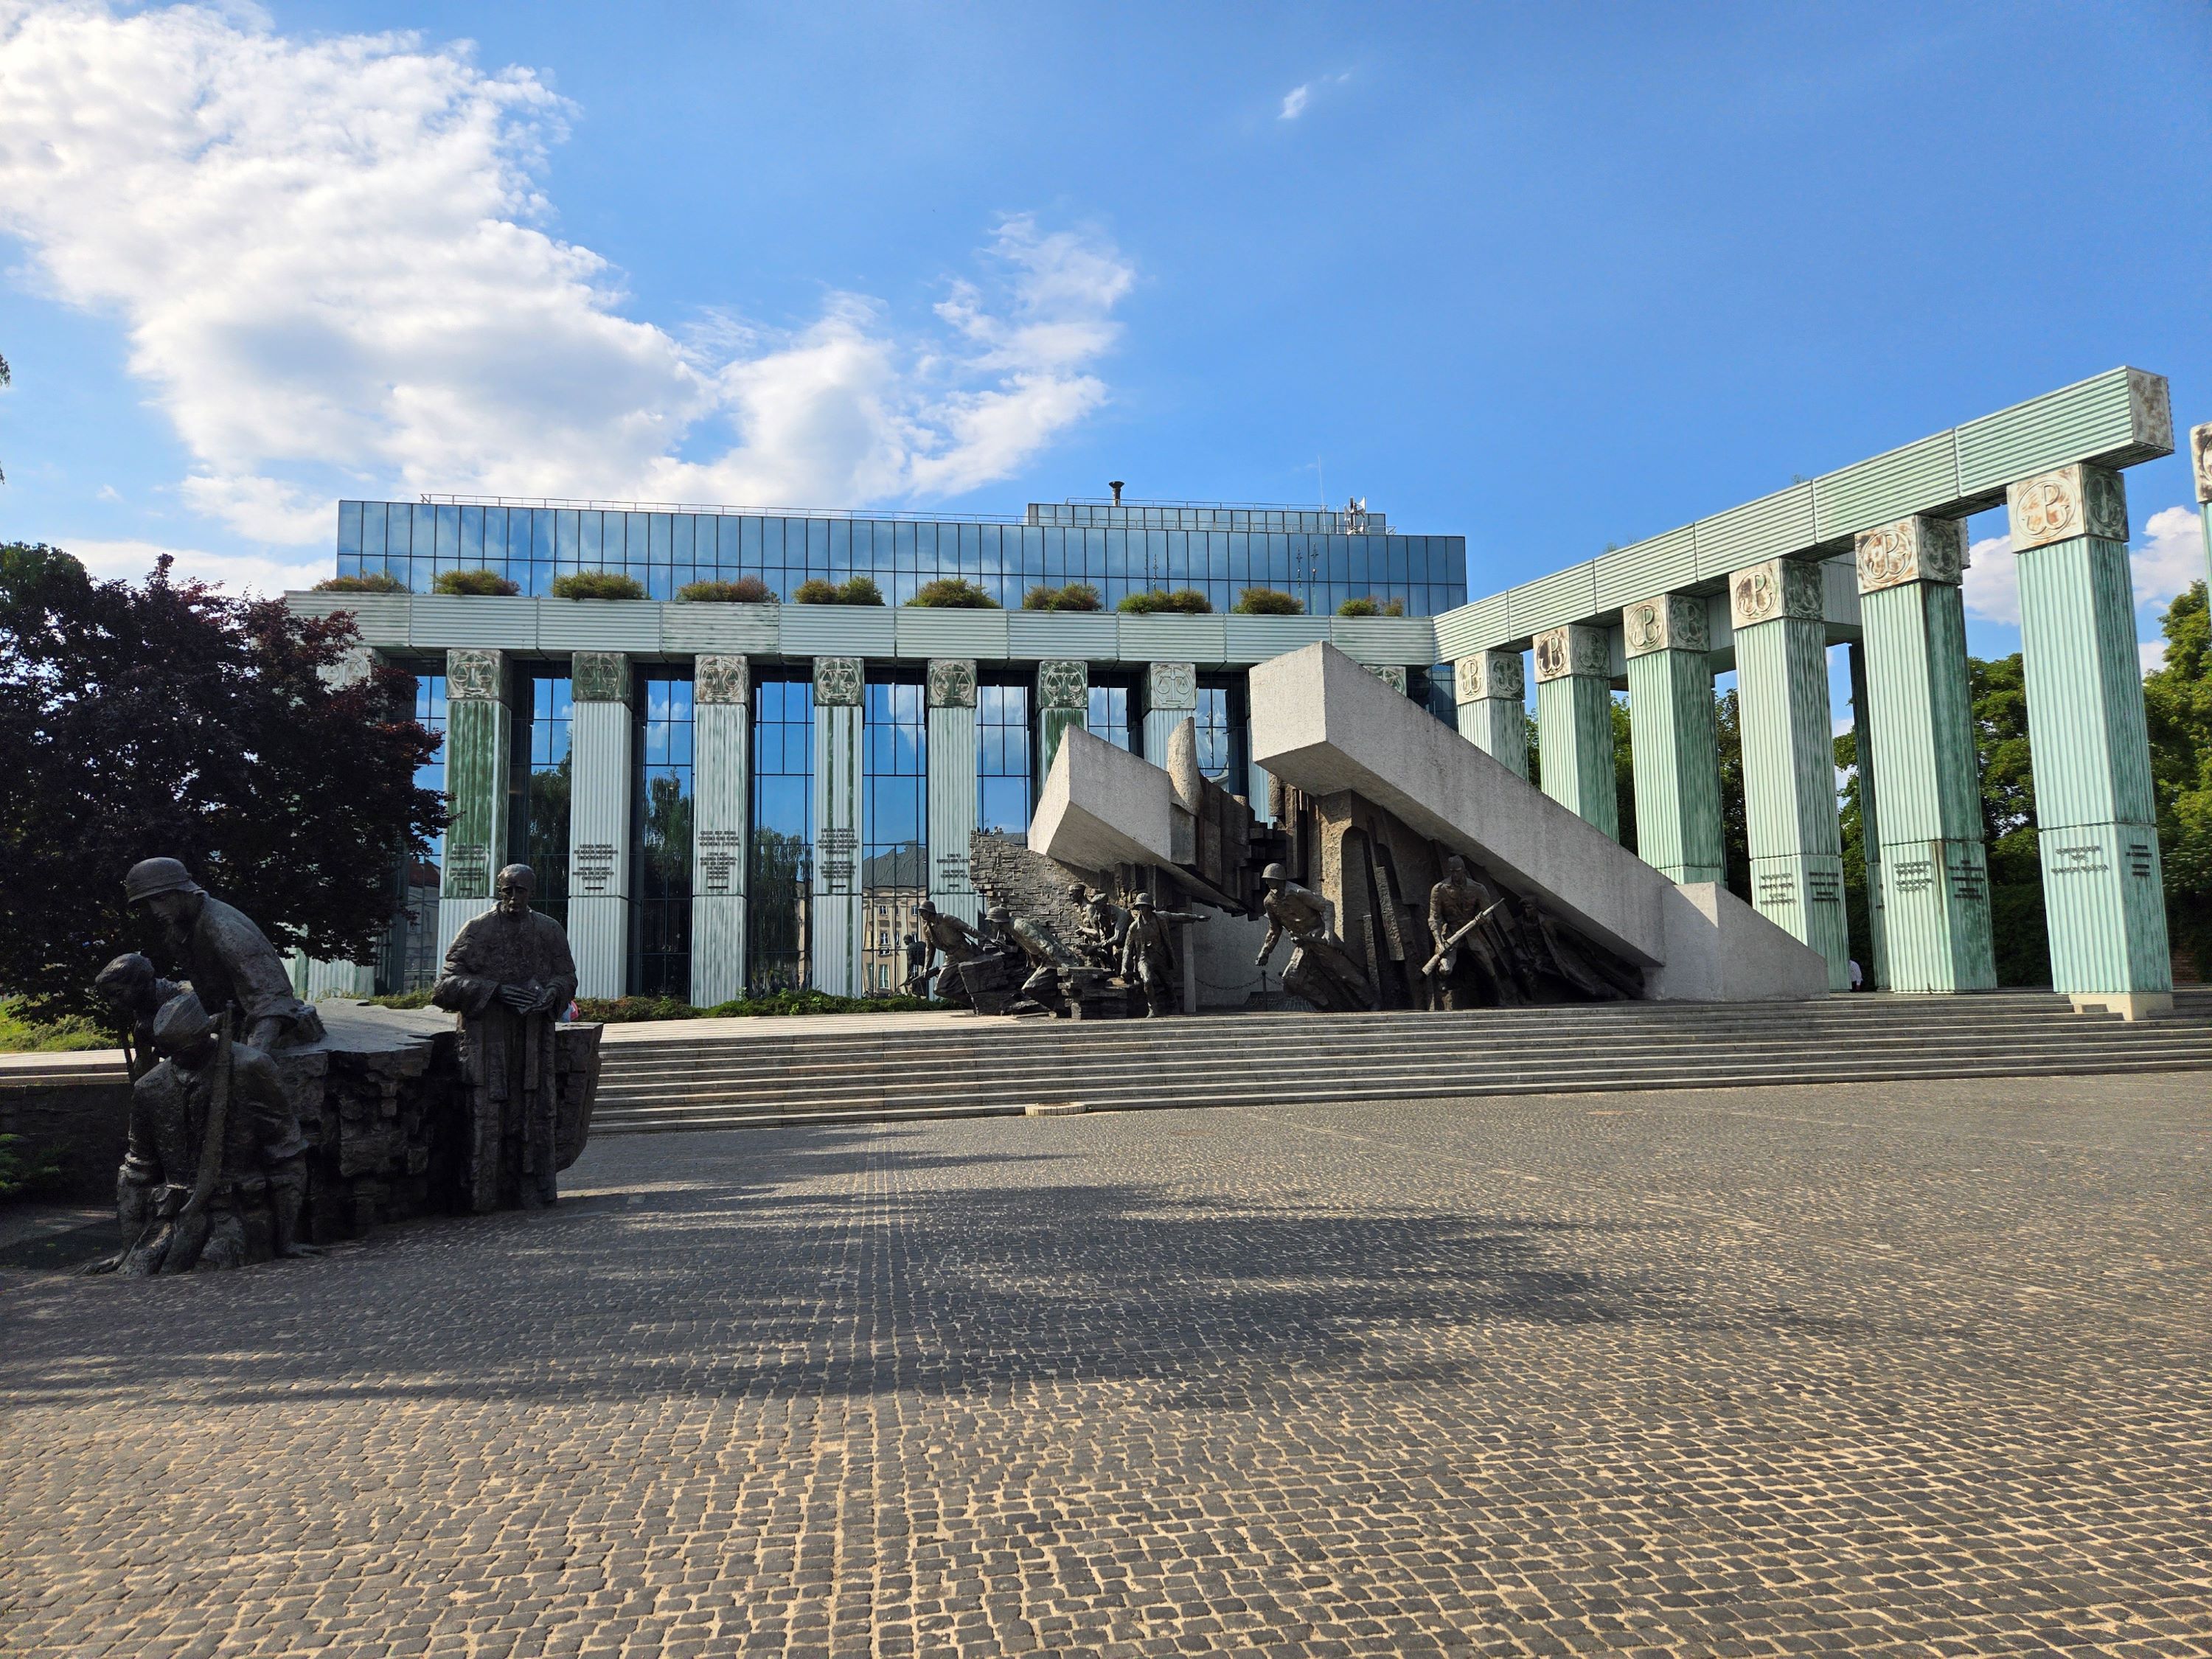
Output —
(1115, 485)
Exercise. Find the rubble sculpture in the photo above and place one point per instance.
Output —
(216, 1167)
(509, 978)
(233, 968)
(1320, 970)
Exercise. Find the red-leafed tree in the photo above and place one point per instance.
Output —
(168, 719)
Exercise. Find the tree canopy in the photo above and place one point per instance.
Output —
(169, 719)
(2177, 703)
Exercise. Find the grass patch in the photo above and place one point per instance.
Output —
(20, 1036)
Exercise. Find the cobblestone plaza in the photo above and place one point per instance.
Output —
(1826, 1369)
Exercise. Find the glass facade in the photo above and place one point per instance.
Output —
(1308, 553)
(781, 851)
(660, 882)
(1110, 715)
(409, 960)
(895, 856)
(1005, 785)
(1220, 722)
(538, 796)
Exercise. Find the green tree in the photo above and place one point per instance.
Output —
(2177, 701)
(1736, 833)
(1998, 690)
(1624, 774)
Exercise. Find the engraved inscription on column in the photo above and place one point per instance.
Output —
(591, 868)
(834, 851)
(468, 866)
(1775, 888)
(719, 853)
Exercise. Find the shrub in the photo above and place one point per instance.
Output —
(596, 584)
(21, 1035)
(482, 583)
(1268, 602)
(953, 593)
(1182, 602)
(1076, 596)
(861, 590)
(619, 1010)
(376, 581)
(1371, 608)
(746, 590)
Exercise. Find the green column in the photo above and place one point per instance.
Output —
(2200, 458)
(478, 729)
(2094, 823)
(952, 765)
(1574, 722)
(1934, 873)
(721, 708)
(1672, 742)
(1790, 757)
(1493, 709)
(1063, 700)
(836, 933)
(1877, 971)
(601, 755)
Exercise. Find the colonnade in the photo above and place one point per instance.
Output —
(1927, 868)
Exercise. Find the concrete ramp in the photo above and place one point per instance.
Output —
(1324, 725)
(1102, 806)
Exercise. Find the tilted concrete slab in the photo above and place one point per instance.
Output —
(1101, 806)
(1323, 724)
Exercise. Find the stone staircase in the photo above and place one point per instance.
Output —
(782, 1074)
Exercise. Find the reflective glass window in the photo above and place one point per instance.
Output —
(660, 908)
(1220, 729)
(1108, 716)
(538, 792)
(894, 858)
(567, 534)
(348, 530)
(409, 959)
(1002, 782)
(781, 852)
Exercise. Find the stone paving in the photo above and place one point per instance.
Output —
(1812, 1371)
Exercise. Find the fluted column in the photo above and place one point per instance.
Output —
(2096, 827)
(1790, 757)
(951, 693)
(1491, 690)
(1063, 700)
(601, 747)
(835, 916)
(1672, 742)
(1934, 872)
(2200, 458)
(1877, 971)
(1170, 698)
(1574, 723)
(479, 729)
(721, 710)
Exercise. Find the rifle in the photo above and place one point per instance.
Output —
(1435, 964)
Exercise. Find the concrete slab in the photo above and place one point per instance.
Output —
(1101, 806)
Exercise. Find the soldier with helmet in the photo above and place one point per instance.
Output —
(228, 960)
(1320, 970)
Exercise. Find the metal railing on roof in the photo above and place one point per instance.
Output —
(719, 509)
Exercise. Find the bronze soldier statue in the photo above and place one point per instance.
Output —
(138, 992)
(1320, 970)
(1104, 924)
(1462, 973)
(1148, 953)
(216, 1167)
(509, 976)
(953, 939)
(229, 961)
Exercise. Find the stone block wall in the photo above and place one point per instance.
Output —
(1005, 872)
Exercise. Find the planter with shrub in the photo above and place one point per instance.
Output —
(746, 590)
(1076, 596)
(860, 590)
(478, 584)
(1371, 608)
(1182, 602)
(952, 593)
(596, 584)
(376, 581)
(1268, 602)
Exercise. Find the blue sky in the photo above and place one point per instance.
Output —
(1553, 276)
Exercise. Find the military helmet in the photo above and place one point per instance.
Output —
(998, 913)
(1274, 873)
(1142, 902)
(183, 1019)
(151, 876)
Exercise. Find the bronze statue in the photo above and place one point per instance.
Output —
(216, 1167)
(1320, 970)
(1464, 971)
(1105, 925)
(1148, 953)
(509, 976)
(229, 961)
(138, 992)
(955, 941)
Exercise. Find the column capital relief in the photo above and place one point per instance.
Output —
(2058, 506)
(1572, 650)
(1490, 674)
(1919, 548)
(474, 674)
(1774, 590)
(1170, 685)
(2200, 459)
(721, 680)
(1062, 684)
(599, 677)
(355, 664)
(1392, 674)
(837, 682)
(1668, 622)
(951, 682)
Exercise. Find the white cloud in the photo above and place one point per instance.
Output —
(2171, 558)
(130, 561)
(108, 492)
(2151, 654)
(1295, 101)
(1992, 581)
(327, 258)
